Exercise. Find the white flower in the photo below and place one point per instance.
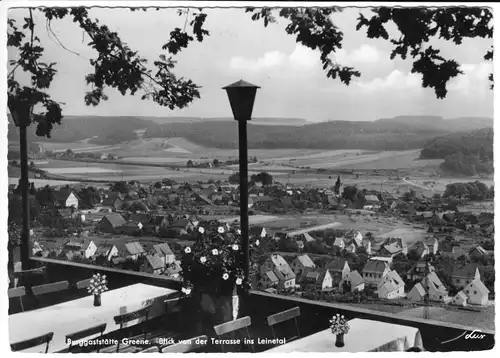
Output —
(186, 290)
(225, 276)
(201, 230)
(238, 231)
(215, 252)
(220, 230)
(203, 259)
(235, 247)
(187, 250)
(257, 243)
(239, 281)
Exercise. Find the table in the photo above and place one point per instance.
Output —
(76, 315)
(364, 336)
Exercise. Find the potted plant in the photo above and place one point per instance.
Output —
(212, 271)
(339, 327)
(98, 285)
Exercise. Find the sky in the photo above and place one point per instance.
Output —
(291, 78)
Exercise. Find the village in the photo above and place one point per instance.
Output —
(145, 228)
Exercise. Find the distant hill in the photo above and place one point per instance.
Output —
(460, 142)
(403, 132)
(258, 120)
(441, 124)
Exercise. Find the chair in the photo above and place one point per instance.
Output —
(85, 333)
(186, 346)
(33, 342)
(126, 318)
(49, 288)
(18, 292)
(83, 284)
(234, 326)
(284, 316)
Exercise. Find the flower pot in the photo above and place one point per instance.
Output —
(339, 342)
(97, 300)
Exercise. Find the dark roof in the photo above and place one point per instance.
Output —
(155, 262)
(181, 223)
(337, 264)
(468, 271)
(115, 219)
(375, 266)
(142, 218)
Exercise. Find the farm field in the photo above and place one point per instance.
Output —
(358, 160)
(82, 146)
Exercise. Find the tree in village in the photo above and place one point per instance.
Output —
(116, 65)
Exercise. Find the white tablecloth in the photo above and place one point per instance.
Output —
(73, 316)
(364, 336)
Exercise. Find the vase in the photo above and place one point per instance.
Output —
(97, 300)
(339, 342)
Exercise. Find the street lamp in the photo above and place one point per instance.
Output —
(242, 97)
(22, 111)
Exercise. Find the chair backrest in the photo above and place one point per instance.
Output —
(33, 342)
(188, 345)
(131, 316)
(233, 325)
(153, 349)
(83, 284)
(284, 316)
(17, 292)
(50, 287)
(85, 333)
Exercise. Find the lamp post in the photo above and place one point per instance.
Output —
(242, 97)
(21, 111)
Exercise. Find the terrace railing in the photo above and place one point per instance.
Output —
(314, 317)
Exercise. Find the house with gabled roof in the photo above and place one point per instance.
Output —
(460, 299)
(393, 248)
(339, 243)
(462, 276)
(478, 253)
(164, 252)
(417, 293)
(432, 245)
(269, 280)
(355, 281)
(374, 271)
(153, 264)
(111, 222)
(66, 198)
(281, 269)
(477, 293)
(391, 286)
(300, 263)
(86, 247)
(318, 280)
(418, 271)
(447, 249)
(339, 270)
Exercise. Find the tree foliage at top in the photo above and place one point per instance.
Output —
(115, 65)
(417, 27)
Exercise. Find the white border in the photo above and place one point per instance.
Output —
(6, 4)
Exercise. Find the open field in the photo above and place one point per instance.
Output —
(358, 160)
(82, 146)
(43, 182)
